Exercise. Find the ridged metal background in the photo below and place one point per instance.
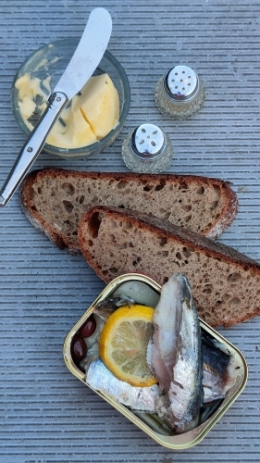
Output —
(46, 414)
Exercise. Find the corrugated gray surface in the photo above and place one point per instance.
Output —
(46, 414)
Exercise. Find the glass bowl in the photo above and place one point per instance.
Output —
(51, 60)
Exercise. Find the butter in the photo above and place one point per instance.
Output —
(100, 105)
(89, 117)
(32, 91)
(27, 108)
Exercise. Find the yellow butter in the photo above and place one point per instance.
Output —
(90, 116)
(32, 86)
(77, 132)
(27, 107)
(100, 105)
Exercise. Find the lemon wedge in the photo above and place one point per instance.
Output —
(123, 344)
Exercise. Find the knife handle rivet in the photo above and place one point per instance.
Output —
(29, 149)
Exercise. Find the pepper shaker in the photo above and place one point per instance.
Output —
(180, 94)
(147, 149)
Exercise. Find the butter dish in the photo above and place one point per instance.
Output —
(42, 70)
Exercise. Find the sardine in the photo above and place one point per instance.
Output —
(219, 369)
(175, 355)
(100, 378)
(141, 399)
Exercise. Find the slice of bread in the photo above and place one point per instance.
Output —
(225, 283)
(54, 200)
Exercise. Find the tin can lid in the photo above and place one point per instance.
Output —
(148, 141)
(182, 82)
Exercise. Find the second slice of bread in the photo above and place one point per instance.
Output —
(225, 283)
(54, 200)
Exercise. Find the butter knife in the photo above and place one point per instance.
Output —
(83, 63)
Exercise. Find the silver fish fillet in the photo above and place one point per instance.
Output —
(142, 399)
(174, 354)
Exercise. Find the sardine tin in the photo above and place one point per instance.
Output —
(145, 422)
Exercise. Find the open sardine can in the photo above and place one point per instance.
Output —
(146, 291)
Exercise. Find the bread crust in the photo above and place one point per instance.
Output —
(225, 282)
(42, 191)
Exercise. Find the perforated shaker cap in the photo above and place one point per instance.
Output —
(148, 141)
(182, 83)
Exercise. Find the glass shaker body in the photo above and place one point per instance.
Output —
(147, 149)
(180, 94)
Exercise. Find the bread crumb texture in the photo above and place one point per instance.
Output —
(57, 199)
(225, 283)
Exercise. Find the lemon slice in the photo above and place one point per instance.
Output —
(123, 344)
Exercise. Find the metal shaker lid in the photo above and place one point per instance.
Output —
(182, 82)
(148, 141)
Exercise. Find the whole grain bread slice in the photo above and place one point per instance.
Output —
(225, 283)
(54, 200)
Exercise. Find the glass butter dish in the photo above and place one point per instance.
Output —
(145, 291)
(36, 79)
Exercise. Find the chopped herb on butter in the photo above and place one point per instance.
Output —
(90, 116)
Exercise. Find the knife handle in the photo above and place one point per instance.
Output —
(33, 146)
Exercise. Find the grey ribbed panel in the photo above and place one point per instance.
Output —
(47, 415)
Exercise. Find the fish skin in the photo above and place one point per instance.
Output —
(161, 349)
(142, 399)
(176, 355)
(107, 306)
(219, 369)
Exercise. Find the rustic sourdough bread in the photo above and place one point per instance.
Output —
(54, 200)
(225, 283)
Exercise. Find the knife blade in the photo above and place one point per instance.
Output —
(87, 56)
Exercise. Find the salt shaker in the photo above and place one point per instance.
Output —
(147, 149)
(180, 93)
